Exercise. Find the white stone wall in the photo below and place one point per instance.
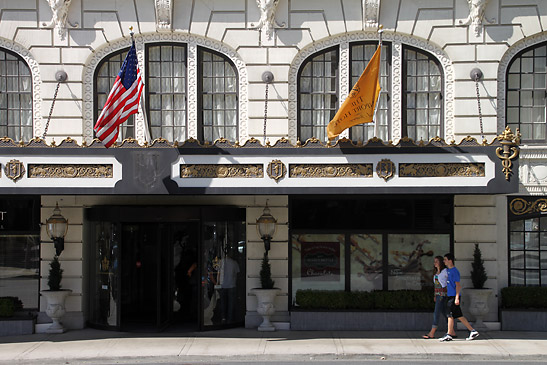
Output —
(481, 219)
(231, 24)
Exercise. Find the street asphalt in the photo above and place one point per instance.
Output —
(90, 346)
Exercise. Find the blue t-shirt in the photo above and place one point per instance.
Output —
(453, 277)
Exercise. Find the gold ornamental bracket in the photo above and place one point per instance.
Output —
(509, 150)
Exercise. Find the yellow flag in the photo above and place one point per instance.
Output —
(359, 106)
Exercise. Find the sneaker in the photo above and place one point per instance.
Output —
(446, 337)
(472, 335)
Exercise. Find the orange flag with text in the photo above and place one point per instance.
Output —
(360, 104)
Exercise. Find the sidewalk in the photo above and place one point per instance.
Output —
(247, 344)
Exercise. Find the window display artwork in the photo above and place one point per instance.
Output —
(320, 261)
(410, 259)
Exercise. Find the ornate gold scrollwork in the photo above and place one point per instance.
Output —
(330, 170)
(276, 170)
(213, 171)
(508, 151)
(70, 171)
(519, 206)
(14, 170)
(385, 169)
(441, 169)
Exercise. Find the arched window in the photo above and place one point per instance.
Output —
(105, 75)
(218, 99)
(318, 93)
(421, 92)
(526, 93)
(166, 92)
(361, 53)
(422, 95)
(15, 97)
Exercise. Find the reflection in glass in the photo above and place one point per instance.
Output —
(318, 262)
(223, 276)
(366, 262)
(410, 259)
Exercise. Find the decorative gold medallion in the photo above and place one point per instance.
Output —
(276, 170)
(14, 170)
(385, 169)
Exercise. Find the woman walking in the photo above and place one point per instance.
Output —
(440, 281)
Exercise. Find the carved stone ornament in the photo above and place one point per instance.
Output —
(70, 171)
(441, 169)
(164, 14)
(519, 206)
(476, 15)
(267, 21)
(14, 170)
(385, 169)
(59, 19)
(330, 170)
(276, 170)
(212, 171)
(371, 13)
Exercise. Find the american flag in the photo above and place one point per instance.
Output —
(122, 101)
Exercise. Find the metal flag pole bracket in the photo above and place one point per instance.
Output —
(60, 76)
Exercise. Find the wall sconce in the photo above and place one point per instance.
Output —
(56, 227)
(266, 225)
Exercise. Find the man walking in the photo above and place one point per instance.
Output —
(454, 290)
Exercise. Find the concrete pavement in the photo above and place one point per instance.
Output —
(95, 346)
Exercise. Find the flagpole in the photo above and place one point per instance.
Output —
(380, 32)
(147, 137)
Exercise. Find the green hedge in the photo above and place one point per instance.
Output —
(523, 297)
(360, 300)
(10, 305)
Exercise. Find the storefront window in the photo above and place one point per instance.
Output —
(318, 262)
(20, 249)
(410, 259)
(528, 252)
(366, 262)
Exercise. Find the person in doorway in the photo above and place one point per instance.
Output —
(439, 281)
(228, 282)
(454, 290)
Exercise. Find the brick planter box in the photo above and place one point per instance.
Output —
(363, 321)
(523, 320)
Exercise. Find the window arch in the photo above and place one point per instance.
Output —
(15, 97)
(422, 95)
(318, 94)
(167, 102)
(526, 93)
(105, 75)
(218, 99)
(411, 102)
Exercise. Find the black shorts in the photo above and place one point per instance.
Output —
(454, 311)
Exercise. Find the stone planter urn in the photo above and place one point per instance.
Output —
(266, 306)
(478, 304)
(56, 308)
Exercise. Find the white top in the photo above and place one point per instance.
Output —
(443, 277)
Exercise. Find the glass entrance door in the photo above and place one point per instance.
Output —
(223, 273)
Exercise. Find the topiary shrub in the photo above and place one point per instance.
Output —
(478, 273)
(266, 281)
(55, 274)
